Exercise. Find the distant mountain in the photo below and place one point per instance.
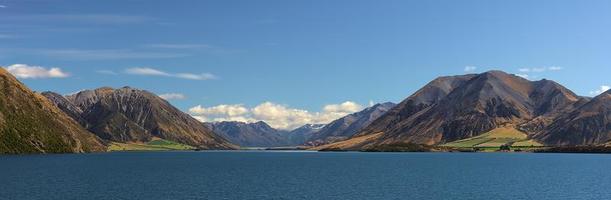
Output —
(589, 124)
(346, 127)
(458, 107)
(301, 135)
(29, 123)
(257, 134)
(260, 134)
(132, 115)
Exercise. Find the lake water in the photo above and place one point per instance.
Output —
(305, 175)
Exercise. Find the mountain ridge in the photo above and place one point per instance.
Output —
(132, 115)
(451, 108)
(29, 123)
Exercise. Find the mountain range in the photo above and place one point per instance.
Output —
(491, 108)
(29, 123)
(260, 134)
(454, 108)
(131, 115)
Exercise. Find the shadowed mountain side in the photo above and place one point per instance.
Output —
(459, 107)
(257, 134)
(132, 115)
(590, 124)
(346, 127)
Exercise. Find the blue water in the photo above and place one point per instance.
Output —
(305, 175)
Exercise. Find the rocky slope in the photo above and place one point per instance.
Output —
(459, 107)
(257, 134)
(132, 115)
(29, 123)
(346, 127)
(589, 124)
(301, 135)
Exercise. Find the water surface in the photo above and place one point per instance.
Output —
(305, 175)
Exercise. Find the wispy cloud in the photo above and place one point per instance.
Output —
(523, 75)
(34, 72)
(603, 88)
(147, 71)
(173, 96)
(470, 68)
(539, 69)
(81, 18)
(531, 72)
(99, 54)
(3, 6)
(179, 46)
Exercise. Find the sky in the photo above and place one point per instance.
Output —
(295, 62)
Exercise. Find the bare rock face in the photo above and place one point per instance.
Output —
(459, 107)
(258, 134)
(589, 124)
(133, 115)
(346, 127)
(29, 123)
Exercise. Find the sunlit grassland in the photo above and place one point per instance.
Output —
(154, 145)
(495, 139)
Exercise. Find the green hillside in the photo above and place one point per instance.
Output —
(496, 138)
(155, 145)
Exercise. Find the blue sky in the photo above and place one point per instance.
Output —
(302, 55)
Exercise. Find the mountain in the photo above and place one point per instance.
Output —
(590, 124)
(258, 134)
(29, 123)
(301, 135)
(459, 107)
(131, 115)
(346, 127)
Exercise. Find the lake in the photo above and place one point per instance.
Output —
(305, 175)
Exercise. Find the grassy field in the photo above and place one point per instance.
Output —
(496, 138)
(154, 145)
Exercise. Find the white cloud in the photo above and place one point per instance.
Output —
(179, 46)
(524, 70)
(470, 68)
(173, 96)
(202, 76)
(222, 110)
(603, 88)
(276, 115)
(33, 72)
(523, 75)
(553, 68)
(2, 6)
(527, 72)
(146, 71)
(540, 69)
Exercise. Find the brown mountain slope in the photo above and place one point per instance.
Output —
(345, 127)
(475, 105)
(590, 124)
(29, 123)
(258, 134)
(132, 115)
(427, 96)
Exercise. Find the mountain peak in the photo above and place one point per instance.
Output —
(36, 125)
